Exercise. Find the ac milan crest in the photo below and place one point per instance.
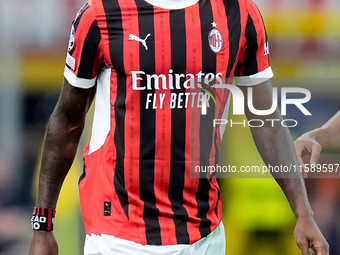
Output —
(215, 40)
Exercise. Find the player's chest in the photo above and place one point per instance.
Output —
(157, 40)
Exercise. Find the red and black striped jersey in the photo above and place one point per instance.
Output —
(145, 61)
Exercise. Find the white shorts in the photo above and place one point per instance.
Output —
(212, 244)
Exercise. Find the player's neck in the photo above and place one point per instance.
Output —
(172, 4)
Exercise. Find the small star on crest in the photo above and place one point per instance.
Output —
(214, 25)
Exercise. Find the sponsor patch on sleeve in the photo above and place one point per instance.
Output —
(70, 61)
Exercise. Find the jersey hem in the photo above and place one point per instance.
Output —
(78, 82)
(254, 79)
(138, 242)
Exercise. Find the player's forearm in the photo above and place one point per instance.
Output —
(295, 191)
(60, 146)
(276, 149)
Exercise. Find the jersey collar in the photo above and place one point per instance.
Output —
(172, 4)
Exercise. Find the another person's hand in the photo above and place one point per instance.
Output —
(307, 235)
(43, 243)
(327, 137)
(307, 144)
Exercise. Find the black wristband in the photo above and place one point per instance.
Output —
(42, 219)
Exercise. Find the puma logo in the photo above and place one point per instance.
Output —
(143, 41)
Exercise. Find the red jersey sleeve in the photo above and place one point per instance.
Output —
(84, 55)
(253, 61)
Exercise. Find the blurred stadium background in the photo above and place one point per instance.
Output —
(305, 52)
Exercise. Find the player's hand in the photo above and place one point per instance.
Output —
(307, 235)
(306, 144)
(43, 243)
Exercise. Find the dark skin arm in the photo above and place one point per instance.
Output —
(276, 147)
(63, 132)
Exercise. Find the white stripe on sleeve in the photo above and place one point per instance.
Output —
(254, 79)
(78, 82)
